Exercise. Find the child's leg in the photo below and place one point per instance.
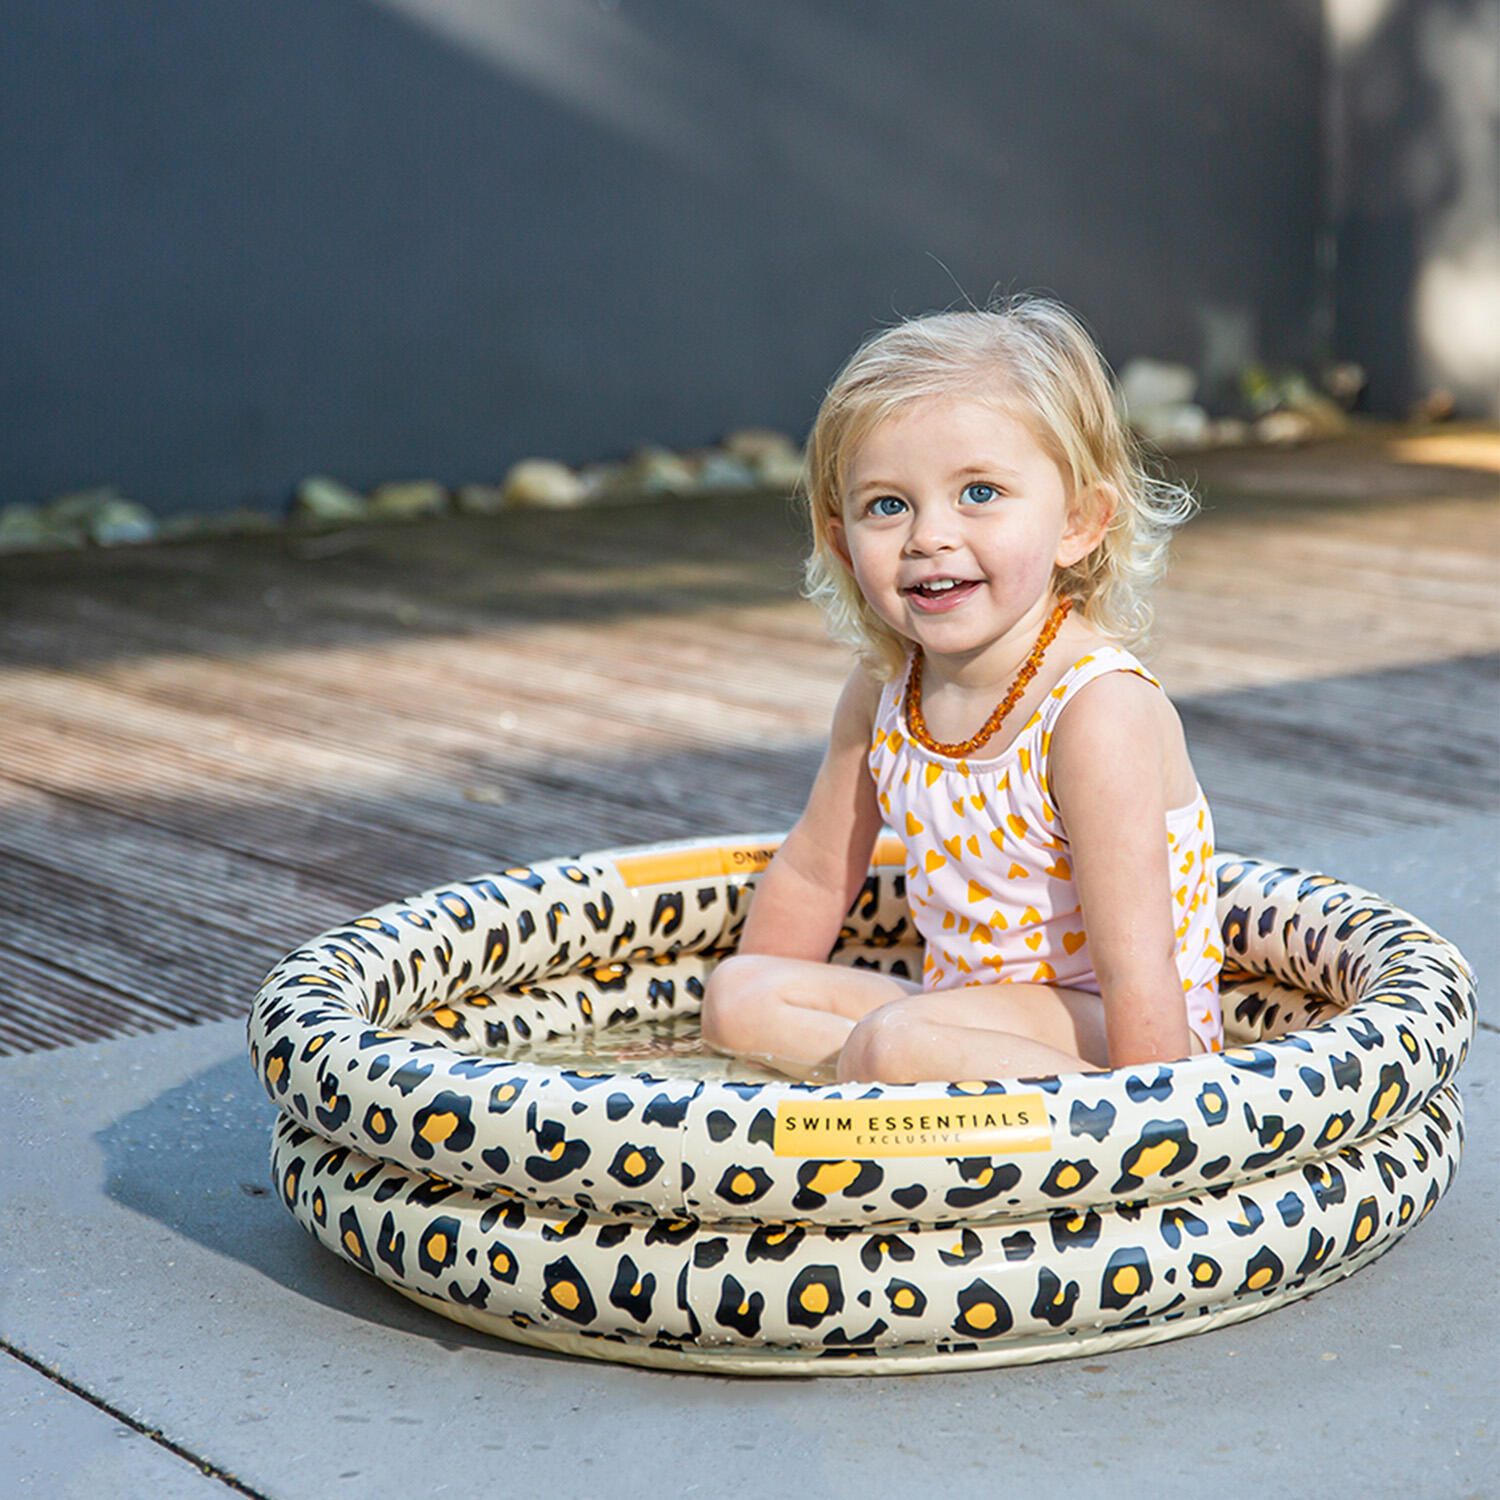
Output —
(789, 1013)
(978, 1031)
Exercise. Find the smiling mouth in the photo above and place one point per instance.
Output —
(940, 593)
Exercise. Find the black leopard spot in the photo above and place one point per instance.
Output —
(1054, 1302)
(988, 1180)
(738, 1311)
(1127, 1275)
(1164, 1147)
(1263, 1270)
(633, 1291)
(982, 1312)
(740, 1185)
(1177, 1221)
(774, 1242)
(966, 1248)
(882, 1246)
(634, 1165)
(444, 1122)
(352, 1241)
(1092, 1119)
(818, 1181)
(1366, 1222)
(816, 1293)
(1075, 1231)
(566, 1293)
(1068, 1177)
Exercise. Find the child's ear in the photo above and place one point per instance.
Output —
(839, 541)
(1089, 516)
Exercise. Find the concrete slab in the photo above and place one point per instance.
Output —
(142, 1257)
(58, 1446)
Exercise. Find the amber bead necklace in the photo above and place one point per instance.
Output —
(917, 726)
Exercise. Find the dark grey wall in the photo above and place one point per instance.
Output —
(391, 238)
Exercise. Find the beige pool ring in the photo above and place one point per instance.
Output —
(784, 1228)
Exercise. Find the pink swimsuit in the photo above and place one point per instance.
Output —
(988, 875)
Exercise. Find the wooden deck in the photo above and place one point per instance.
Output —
(211, 750)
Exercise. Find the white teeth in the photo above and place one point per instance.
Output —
(938, 585)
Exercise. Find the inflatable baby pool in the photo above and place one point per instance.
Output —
(626, 1212)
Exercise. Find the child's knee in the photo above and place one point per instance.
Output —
(730, 999)
(878, 1048)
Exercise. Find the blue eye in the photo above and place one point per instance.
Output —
(980, 493)
(887, 505)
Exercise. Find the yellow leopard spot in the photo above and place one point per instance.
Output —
(1258, 1278)
(1155, 1159)
(1067, 1177)
(439, 1127)
(275, 1068)
(565, 1293)
(1203, 1271)
(1127, 1281)
(904, 1297)
(634, 1164)
(833, 1177)
(1385, 1101)
(743, 1185)
(437, 1245)
(445, 1017)
(815, 1297)
(352, 1242)
(981, 1315)
(378, 1122)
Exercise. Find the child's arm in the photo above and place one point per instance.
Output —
(1117, 764)
(808, 888)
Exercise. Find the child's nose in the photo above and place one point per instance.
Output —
(933, 529)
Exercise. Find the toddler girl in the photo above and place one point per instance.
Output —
(984, 535)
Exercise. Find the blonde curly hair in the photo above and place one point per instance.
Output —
(1037, 361)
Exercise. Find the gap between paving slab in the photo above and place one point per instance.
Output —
(145, 1259)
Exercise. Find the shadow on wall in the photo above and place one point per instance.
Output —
(386, 238)
(1415, 184)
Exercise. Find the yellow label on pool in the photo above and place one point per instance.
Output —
(668, 865)
(983, 1125)
(705, 862)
